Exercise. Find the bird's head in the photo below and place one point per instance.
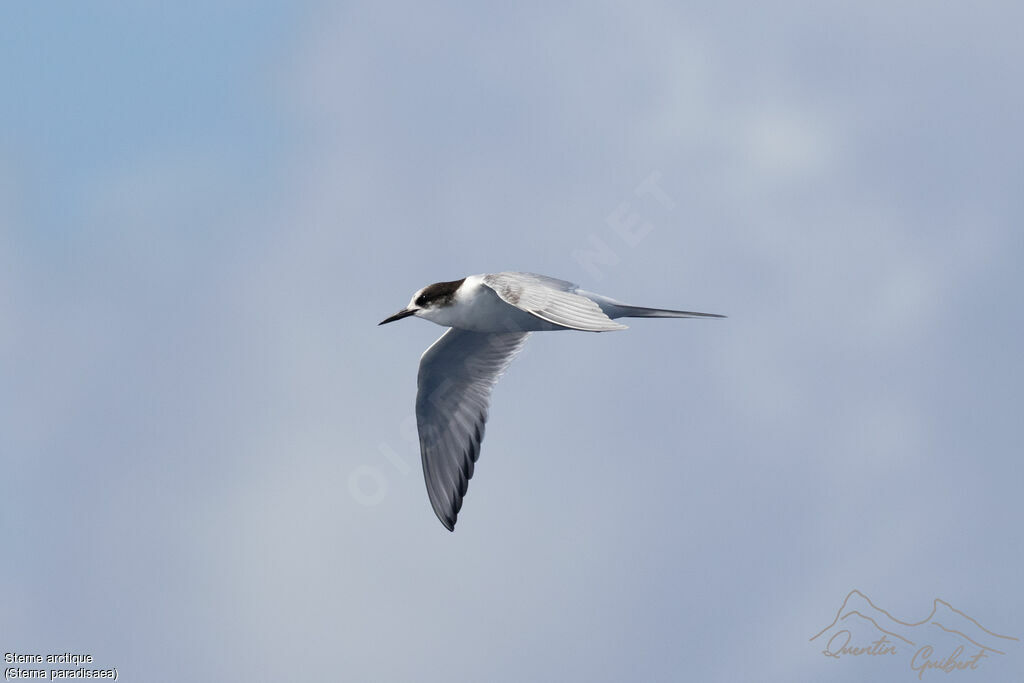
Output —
(428, 300)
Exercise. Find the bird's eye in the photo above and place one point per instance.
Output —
(421, 300)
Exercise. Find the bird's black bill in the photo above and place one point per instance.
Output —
(404, 313)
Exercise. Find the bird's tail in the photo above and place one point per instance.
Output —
(623, 311)
(616, 309)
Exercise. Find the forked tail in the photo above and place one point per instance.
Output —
(617, 309)
(623, 311)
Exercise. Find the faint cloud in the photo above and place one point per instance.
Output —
(788, 143)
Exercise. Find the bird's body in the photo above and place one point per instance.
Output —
(490, 317)
(478, 308)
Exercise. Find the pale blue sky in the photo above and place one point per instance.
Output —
(205, 210)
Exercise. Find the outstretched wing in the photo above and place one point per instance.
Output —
(554, 301)
(455, 380)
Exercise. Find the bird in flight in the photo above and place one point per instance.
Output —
(490, 317)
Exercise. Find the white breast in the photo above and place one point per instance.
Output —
(476, 307)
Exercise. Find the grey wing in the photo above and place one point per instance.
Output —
(455, 380)
(552, 300)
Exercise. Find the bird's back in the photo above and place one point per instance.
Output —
(477, 306)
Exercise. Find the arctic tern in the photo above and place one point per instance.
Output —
(490, 317)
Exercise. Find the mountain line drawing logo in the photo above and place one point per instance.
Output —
(947, 640)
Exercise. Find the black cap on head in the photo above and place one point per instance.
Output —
(439, 292)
